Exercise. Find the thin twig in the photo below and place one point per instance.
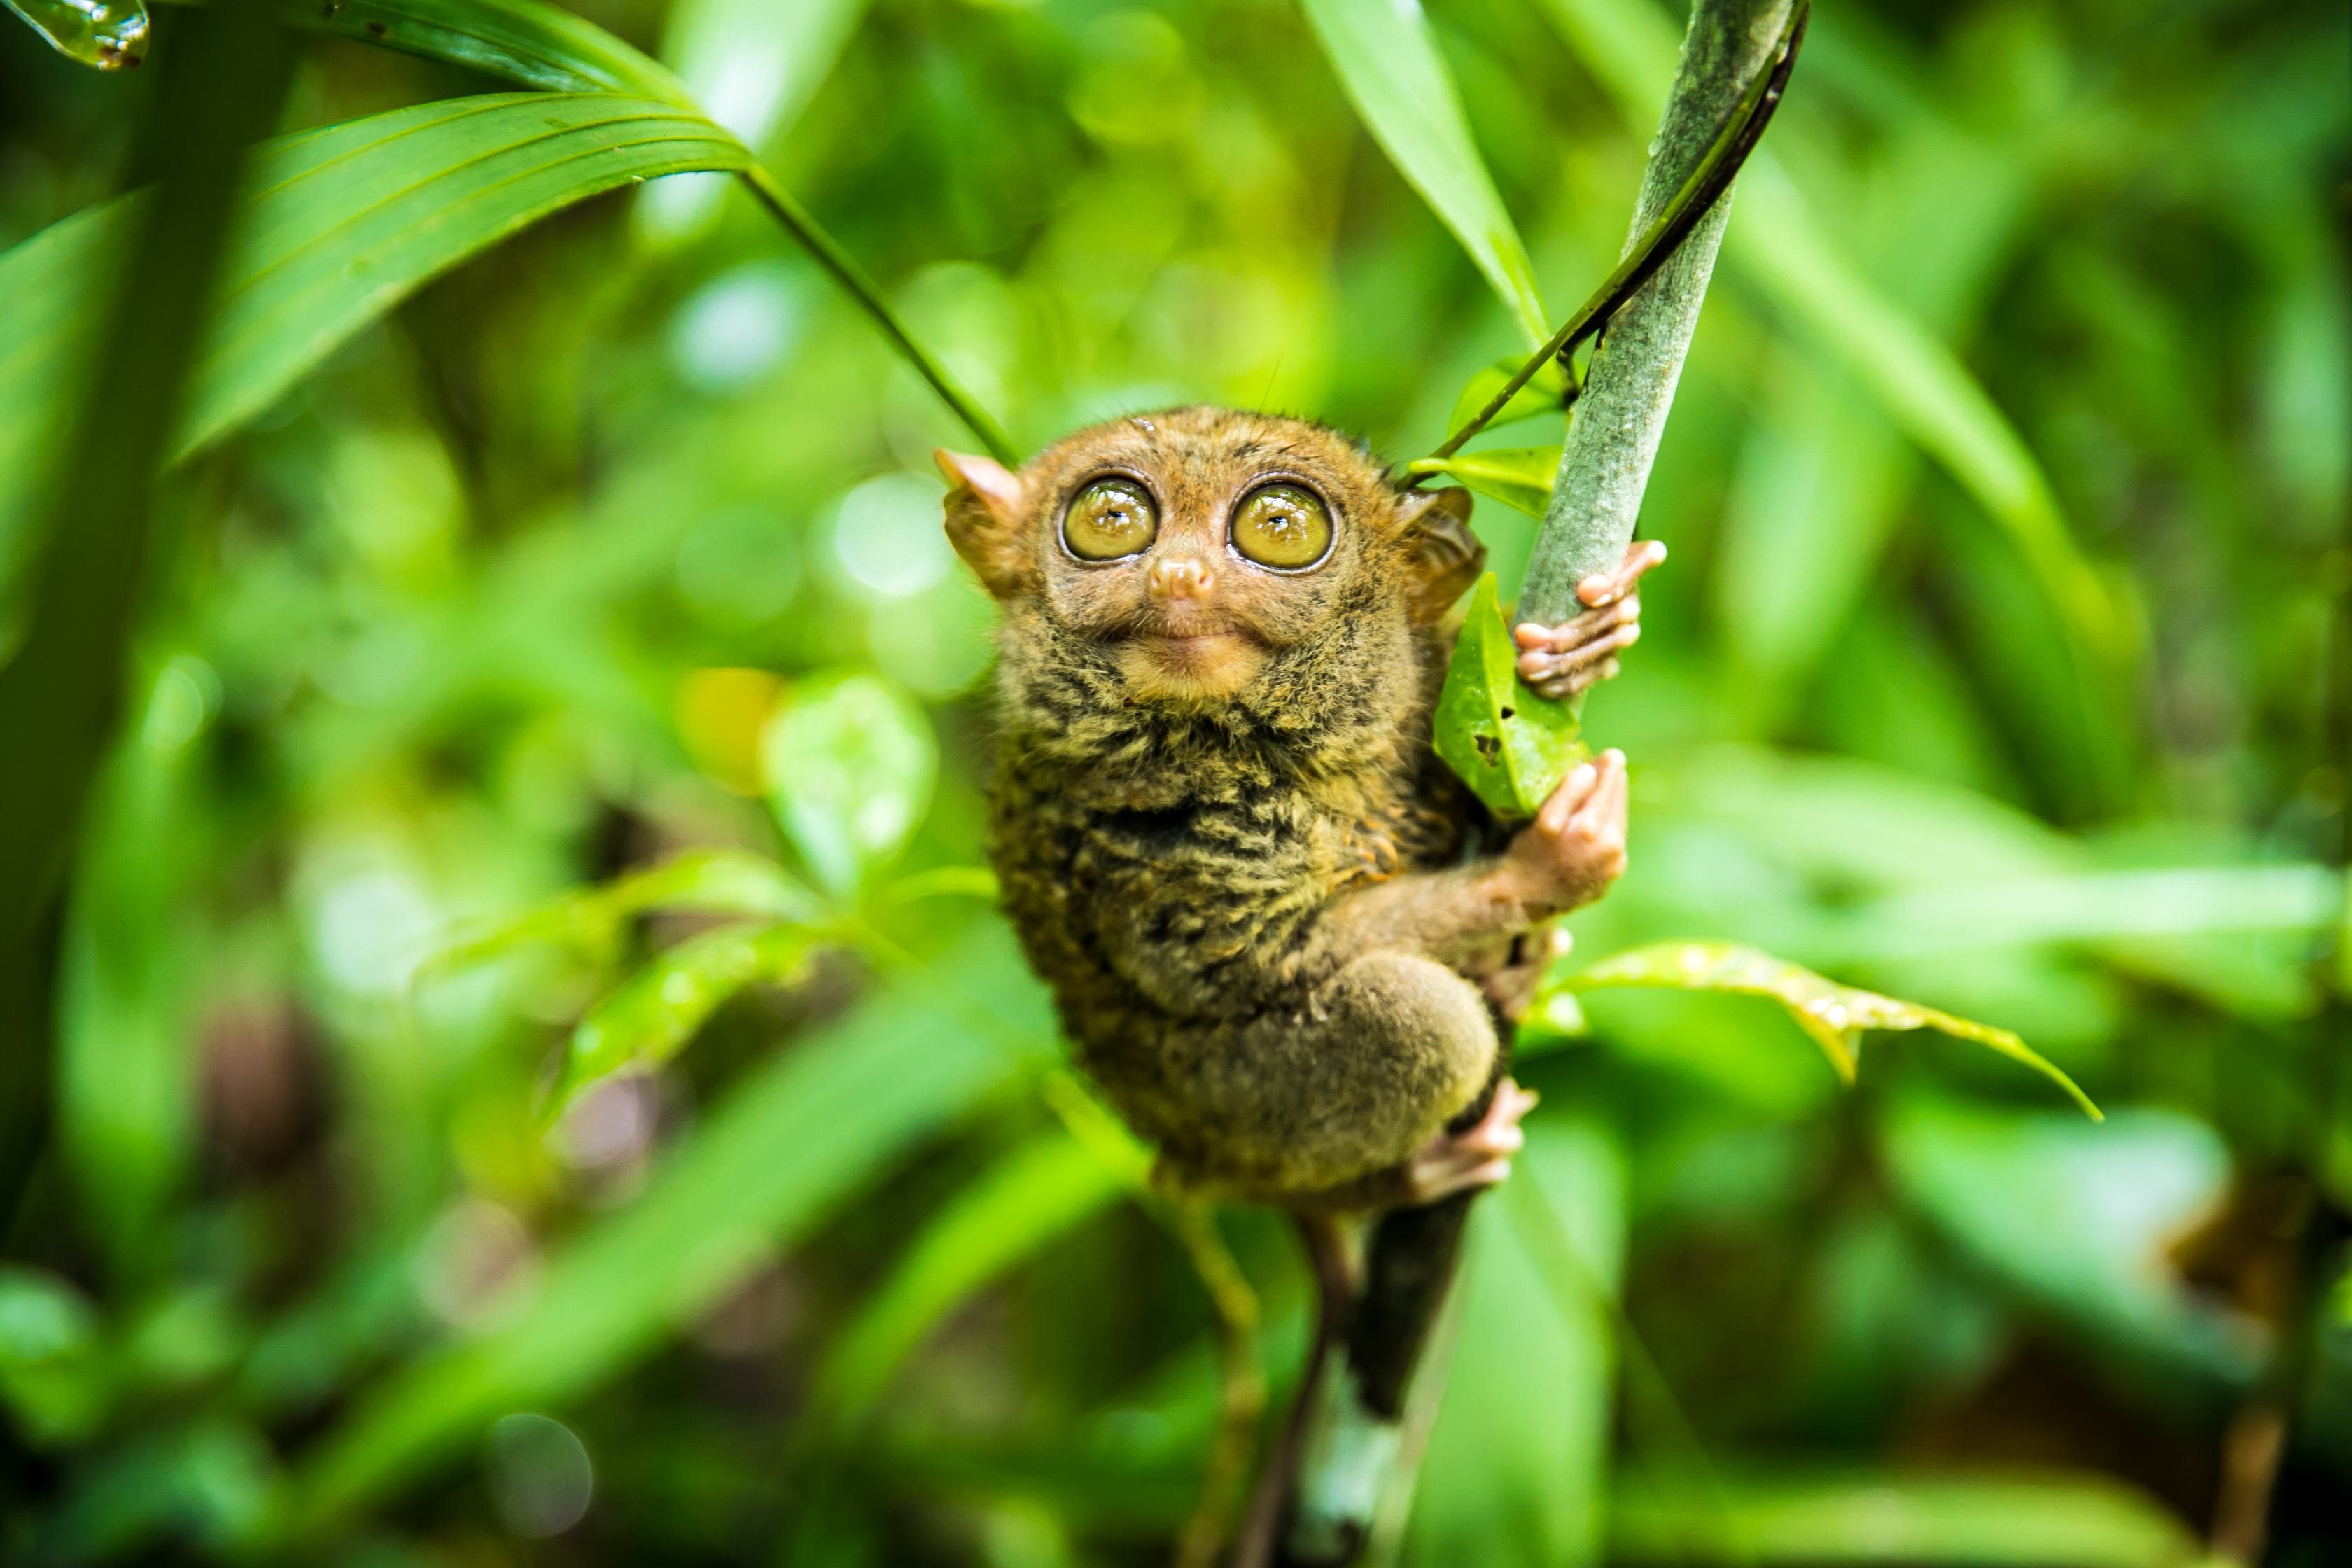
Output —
(852, 278)
(1242, 1398)
(1742, 129)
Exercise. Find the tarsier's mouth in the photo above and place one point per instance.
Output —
(1193, 649)
(1193, 661)
(1195, 639)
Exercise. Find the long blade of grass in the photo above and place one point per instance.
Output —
(805, 1131)
(1387, 61)
(2053, 1521)
(1042, 1190)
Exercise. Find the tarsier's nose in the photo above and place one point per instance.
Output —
(1179, 578)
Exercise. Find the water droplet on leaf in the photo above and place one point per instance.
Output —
(111, 35)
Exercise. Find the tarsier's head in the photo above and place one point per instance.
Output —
(1203, 548)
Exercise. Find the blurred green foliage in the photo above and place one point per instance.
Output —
(552, 661)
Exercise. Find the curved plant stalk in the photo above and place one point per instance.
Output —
(845, 270)
(1242, 1385)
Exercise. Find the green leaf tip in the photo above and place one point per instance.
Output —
(1545, 391)
(1511, 745)
(1835, 1016)
(654, 1012)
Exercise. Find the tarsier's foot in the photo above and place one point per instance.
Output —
(1512, 986)
(1563, 660)
(1463, 1161)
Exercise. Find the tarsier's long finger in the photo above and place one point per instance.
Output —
(1580, 630)
(1608, 588)
(1564, 674)
(1593, 814)
(1603, 818)
(1573, 792)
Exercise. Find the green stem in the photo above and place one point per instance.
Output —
(62, 691)
(860, 288)
(1651, 248)
(1622, 414)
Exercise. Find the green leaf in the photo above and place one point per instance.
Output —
(107, 34)
(754, 65)
(943, 883)
(1922, 384)
(1855, 1519)
(1039, 1192)
(1546, 392)
(337, 226)
(1388, 62)
(1518, 477)
(1834, 1016)
(1510, 745)
(2083, 1223)
(537, 45)
(701, 882)
(519, 41)
(659, 1008)
(849, 763)
(785, 1147)
(52, 1375)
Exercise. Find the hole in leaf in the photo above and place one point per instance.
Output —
(1510, 713)
(1488, 747)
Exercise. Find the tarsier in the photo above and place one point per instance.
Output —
(1222, 834)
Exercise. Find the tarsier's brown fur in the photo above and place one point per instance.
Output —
(1222, 834)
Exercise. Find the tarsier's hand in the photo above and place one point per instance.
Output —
(1576, 846)
(1563, 660)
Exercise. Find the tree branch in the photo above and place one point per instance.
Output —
(1734, 62)
(1630, 387)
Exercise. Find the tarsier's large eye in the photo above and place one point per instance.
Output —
(1109, 519)
(1283, 526)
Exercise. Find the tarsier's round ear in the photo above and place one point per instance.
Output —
(986, 505)
(1441, 552)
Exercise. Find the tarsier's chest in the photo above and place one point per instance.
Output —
(1200, 906)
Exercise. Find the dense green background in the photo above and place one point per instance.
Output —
(491, 608)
